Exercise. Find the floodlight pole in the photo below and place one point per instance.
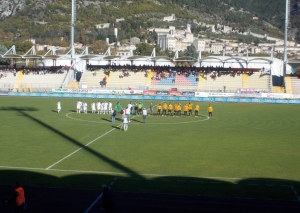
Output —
(286, 24)
(73, 20)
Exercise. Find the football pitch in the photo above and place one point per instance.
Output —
(245, 150)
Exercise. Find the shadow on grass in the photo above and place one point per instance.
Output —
(19, 109)
(157, 193)
(105, 119)
(117, 127)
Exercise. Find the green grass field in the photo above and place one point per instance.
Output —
(246, 150)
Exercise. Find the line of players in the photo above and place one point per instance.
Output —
(98, 107)
(168, 109)
(163, 109)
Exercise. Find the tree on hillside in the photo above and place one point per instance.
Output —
(191, 51)
(3, 50)
(99, 47)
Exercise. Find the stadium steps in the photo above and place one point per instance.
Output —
(217, 84)
(73, 85)
(278, 89)
(150, 75)
(45, 82)
(92, 79)
(288, 85)
(256, 80)
(245, 80)
(295, 83)
(18, 81)
(134, 79)
(201, 82)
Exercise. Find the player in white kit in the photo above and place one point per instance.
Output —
(102, 108)
(78, 107)
(109, 107)
(105, 109)
(93, 106)
(82, 106)
(127, 112)
(129, 106)
(58, 106)
(98, 107)
(85, 107)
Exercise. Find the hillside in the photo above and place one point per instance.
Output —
(48, 20)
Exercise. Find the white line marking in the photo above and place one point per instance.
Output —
(174, 123)
(118, 173)
(49, 167)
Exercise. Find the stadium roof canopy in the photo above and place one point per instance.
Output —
(274, 65)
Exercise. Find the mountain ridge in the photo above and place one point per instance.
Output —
(48, 20)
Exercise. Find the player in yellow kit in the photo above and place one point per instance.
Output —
(190, 108)
(170, 108)
(197, 108)
(175, 109)
(159, 108)
(164, 109)
(185, 109)
(179, 109)
(210, 111)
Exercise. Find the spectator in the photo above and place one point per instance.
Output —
(107, 199)
(19, 197)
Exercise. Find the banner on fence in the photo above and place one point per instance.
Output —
(60, 90)
(127, 92)
(277, 95)
(220, 94)
(149, 92)
(188, 94)
(161, 92)
(175, 93)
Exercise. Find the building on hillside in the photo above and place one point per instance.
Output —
(172, 39)
(216, 48)
(135, 40)
(102, 26)
(120, 19)
(169, 18)
(199, 45)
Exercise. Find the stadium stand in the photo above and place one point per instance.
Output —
(149, 75)
(256, 80)
(92, 79)
(295, 85)
(39, 81)
(124, 79)
(8, 79)
(214, 83)
(182, 81)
